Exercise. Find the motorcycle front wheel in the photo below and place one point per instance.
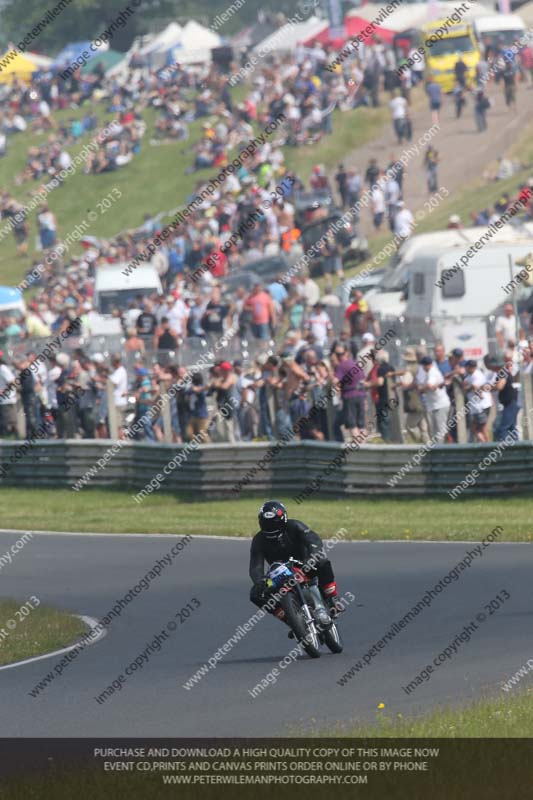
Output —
(332, 639)
(296, 621)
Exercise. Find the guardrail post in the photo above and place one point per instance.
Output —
(271, 407)
(527, 406)
(462, 434)
(165, 412)
(393, 409)
(330, 413)
(111, 410)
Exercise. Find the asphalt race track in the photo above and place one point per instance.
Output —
(88, 573)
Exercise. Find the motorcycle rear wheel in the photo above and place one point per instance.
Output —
(297, 624)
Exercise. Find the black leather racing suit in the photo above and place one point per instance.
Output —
(298, 541)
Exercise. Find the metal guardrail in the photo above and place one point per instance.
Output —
(214, 470)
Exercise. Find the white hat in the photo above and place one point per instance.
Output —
(368, 337)
(98, 358)
(63, 359)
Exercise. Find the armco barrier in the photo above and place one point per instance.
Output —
(214, 470)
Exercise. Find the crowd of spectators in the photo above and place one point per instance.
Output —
(281, 384)
(338, 384)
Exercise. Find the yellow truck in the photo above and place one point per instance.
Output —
(443, 45)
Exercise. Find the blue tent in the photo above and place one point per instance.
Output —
(71, 52)
(10, 298)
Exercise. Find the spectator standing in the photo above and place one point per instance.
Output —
(47, 227)
(419, 66)
(144, 398)
(460, 70)
(479, 400)
(66, 415)
(178, 314)
(430, 383)
(398, 107)
(86, 383)
(403, 222)
(214, 315)
(341, 179)
(459, 99)
(377, 383)
(372, 172)
(309, 290)
(354, 185)
(454, 377)
(199, 419)
(133, 343)
(119, 379)
(8, 400)
(507, 386)
(28, 396)
(481, 104)
(263, 313)
(146, 324)
(224, 384)
(164, 337)
(247, 414)
(509, 86)
(434, 94)
(440, 359)
(393, 197)
(505, 327)
(350, 377)
(378, 206)
(416, 422)
(431, 160)
(319, 324)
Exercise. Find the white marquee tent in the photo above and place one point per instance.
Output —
(195, 44)
(286, 37)
(414, 15)
(164, 41)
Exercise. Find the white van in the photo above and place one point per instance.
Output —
(460, 306)
(388, 298)
(113, 289)
(496, 28)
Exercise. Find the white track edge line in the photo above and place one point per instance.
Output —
(90, 621)
(242, 538)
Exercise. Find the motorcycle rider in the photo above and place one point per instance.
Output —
(278, 539)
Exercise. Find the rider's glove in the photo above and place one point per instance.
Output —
(259, 590)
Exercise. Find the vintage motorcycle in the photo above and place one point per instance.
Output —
(305, 609)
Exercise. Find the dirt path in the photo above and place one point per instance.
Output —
(464, 153)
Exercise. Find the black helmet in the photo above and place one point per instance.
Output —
(272, 519)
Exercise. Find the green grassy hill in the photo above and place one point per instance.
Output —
(154, 181)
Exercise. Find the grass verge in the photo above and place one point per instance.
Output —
(494, 718)
(115, 511)
(43, 630)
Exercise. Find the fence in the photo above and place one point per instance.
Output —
(189, 352)
(215, 470)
